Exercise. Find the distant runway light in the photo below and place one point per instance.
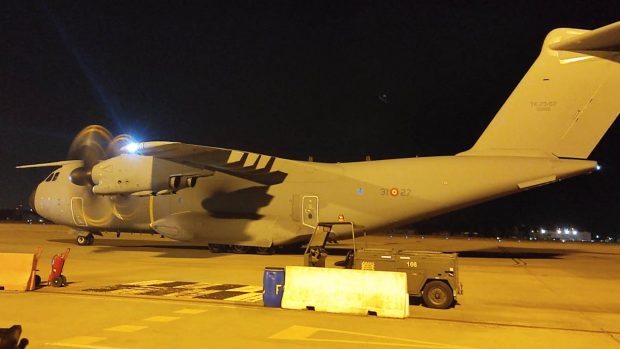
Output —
(383, 98)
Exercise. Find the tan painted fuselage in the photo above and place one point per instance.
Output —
(373, 194)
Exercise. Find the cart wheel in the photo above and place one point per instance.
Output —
(437, 294)
(82, 240)
(90, 240)
(64, 280)
(57, 281)
(37, 280)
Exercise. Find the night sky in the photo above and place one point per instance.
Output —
(336, 80)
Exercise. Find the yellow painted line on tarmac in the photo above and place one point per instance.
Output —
(128, 291)
(190, 293)
(147, 282)
(126, 328)
(83, 346)
(80, 342)
(197, 285)
(246, 297)
(314, 334)
(161, 318)
(249, 288)
(190, 311)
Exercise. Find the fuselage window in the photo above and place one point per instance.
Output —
(55, 176)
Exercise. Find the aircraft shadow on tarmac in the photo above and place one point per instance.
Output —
(517, 253)
(166, 249)
(169, 249)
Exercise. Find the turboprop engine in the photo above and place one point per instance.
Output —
(142, 175)
(111, 167)
(131, 173)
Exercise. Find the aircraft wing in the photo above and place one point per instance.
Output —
(50, 164)
(251, 166)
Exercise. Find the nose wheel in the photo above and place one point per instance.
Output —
(85, 240)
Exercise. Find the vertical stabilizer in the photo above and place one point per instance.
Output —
(565, 103)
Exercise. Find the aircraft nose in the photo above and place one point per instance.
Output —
(31, 200)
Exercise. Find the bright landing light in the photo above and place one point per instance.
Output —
(131, 147)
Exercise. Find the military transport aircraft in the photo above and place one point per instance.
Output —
(238, 200)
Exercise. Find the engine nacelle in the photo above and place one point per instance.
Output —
(131, 173)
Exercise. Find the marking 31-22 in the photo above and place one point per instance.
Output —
(394, 191)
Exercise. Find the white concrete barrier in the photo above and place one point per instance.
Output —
(17, 271)
(346, 291)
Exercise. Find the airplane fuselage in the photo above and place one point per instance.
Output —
(375, 195)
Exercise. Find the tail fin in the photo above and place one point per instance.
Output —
(565, 103)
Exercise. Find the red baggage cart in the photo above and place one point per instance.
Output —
(56, 278)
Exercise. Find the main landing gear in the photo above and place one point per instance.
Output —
(266, 250)
(220, 248)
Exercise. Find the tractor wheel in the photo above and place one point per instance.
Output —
(437, 294)
(64, 280)
(37, 280)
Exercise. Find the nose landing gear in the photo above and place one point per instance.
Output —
(85, 240)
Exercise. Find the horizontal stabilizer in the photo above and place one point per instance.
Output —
(606, 38)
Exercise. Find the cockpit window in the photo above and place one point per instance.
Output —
(49, 178)
(55, 176)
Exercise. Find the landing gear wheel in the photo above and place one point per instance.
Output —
(437, 295)
(265, 250)
(57, 281)
(239, 249)
(82, 240)
(85, 240)
(217, 248)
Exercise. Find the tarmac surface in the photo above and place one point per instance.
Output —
(141, 291)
